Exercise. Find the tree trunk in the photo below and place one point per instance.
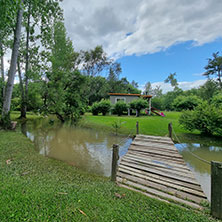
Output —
(12, 70)
(25, 95)
(23, 107)
(2, 71)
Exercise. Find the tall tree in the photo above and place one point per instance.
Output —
(172, 80)
(214, 67)
(37, 13)
(148, 89)
(8, 9)
(94, 61)
(11, 75)
(64, 84)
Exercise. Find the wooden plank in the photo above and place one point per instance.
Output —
(133, 163)
(160, 194)
(154, 137)
(157, 157)
(157, 153)
(158, 164)
(153, 148)
(162, 178)
(146, 144)
(170, 148)
(166, 183)
(162, 188)
(158, 172)
(150, 147)
(154, 141)
(171, 163)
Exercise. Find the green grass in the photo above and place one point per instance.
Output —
(35, 188)
(149, 125)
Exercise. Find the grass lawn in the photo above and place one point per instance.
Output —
(150, 125)
(35, 188)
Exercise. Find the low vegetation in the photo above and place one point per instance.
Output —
(35, 188)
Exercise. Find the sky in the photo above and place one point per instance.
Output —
(150, 38)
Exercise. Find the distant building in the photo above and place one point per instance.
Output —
(127, 98)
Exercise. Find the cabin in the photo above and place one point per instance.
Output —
(128, 97)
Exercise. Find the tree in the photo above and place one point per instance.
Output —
(185, 102)
(148, 89)
(138, 105)
(169, 97)
(37, 13)
(208, 90)
(120, 107)
(172, 80)
(94, 61)
(214, 67)
(5, 118)
(64, 85)
(205, 118)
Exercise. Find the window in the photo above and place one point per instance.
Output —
(120, 99)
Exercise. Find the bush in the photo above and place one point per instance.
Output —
(104, 106)
(185, 102)
(138, 105)
(120, 107)
(205, 118)
(157, 102)
(95, 109)
(217, 100)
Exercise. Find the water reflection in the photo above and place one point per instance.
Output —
(201, 169)
(87, 149)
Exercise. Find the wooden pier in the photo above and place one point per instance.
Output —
(154, 167)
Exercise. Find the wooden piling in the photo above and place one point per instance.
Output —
(216, 189)
(115, 162)
(137, 127)
(170, 127)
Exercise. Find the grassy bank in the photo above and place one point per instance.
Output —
(150, 125)
(35, 188)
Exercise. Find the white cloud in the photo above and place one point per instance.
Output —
(166, 87)
(154, 25)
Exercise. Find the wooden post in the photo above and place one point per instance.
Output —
(114, 161)
(149, 106)
(216, 189)
(137, 127)
(170, 127)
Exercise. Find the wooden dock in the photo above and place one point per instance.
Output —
(154, 167)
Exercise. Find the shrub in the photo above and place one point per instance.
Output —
(185, 102)
(157, 102)
(95, 108)
(138, 105)
(104, 106)
(120, 107)
(205, 118)
(217, 100)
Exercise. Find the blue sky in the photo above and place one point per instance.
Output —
(150, 38)
(186, 59)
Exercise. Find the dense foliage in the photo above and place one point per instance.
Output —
(207, 118)
(120, 107)
(103, 107)
(138, 105)
(185, 102)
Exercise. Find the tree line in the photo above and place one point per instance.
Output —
(53, 77)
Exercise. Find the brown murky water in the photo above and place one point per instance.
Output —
(91, 150)
(87, 149)
(201, 169)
